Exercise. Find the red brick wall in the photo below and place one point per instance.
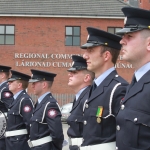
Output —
(47, 35)
(145, 4)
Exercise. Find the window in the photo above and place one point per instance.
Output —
(113, 30)
(7, 34)
(72, 36)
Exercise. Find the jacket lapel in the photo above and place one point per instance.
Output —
(42, 102)
(80, 97)
(105, 83)
(138, 86)
(18, 98)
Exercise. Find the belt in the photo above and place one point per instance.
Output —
(103, 146)
(75, 141)
(15, 132)
(39, 141)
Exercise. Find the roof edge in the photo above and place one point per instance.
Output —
(61, 16)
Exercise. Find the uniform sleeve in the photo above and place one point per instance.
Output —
(26, 111)
(53, 119)
(6, 98)
(117, 98)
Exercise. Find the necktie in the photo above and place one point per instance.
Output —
(132, 82)
(74, 101)
(93, 87)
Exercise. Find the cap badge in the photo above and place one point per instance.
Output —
(125, 20)
(72, 63)
(88, 37)
(149, 27)
(106, 43)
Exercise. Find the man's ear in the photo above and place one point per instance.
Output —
(148, 44)
(107, 55)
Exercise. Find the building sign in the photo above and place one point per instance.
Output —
(54, 60)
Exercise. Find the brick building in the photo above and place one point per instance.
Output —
(144, 4)
(44, 34)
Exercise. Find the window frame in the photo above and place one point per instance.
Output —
(72, 35)
(7, 34)
(114, 28)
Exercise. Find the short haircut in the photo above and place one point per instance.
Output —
(24, 83)
(92, 74)
(145, 33)
(114, 52)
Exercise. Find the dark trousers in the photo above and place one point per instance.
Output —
(2, 144)
(74, 147)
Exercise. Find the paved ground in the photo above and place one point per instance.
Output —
(65, 128)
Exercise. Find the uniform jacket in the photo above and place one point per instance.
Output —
(6, 98)
(20, 112)
(133, 119)
(105, 131)
(46, 121)
(75, 120)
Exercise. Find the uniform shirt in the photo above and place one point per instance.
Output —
(133, 126)
(100, 79)
(101, 127)
(79, 93)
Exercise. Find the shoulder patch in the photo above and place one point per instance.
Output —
(27, 108)
(52, 113)
(7, 94)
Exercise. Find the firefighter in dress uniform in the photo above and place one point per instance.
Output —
(133, 119)
(19, 114)
(101, 53)
(6, 97)
(46, 129)
(80, 80)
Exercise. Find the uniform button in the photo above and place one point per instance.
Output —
(135, 119)
(13, 113)
(50, 96)
(30, 125)
(122, 107)
(17, 139)
(116, 147)
(76, 120)
(87, 106)
(36, 120)
(32, 114)
(8, 109)
(116, 75)
(85, 122)
(118, 127)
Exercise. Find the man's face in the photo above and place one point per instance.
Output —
(76, 78)
(94, 58)
(133, 47)
(14, 86)
(37, 88)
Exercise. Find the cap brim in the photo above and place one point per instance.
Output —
(126, 30)
(11, 79)
(33, 80)
(72, 69)
(87, 45)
